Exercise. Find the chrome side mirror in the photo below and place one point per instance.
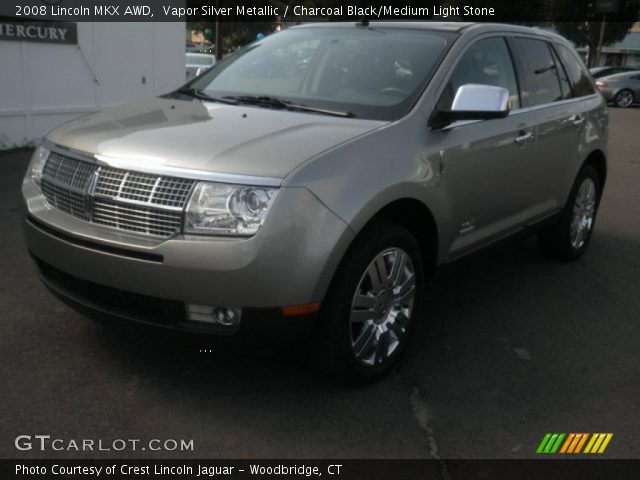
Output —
(475, 102)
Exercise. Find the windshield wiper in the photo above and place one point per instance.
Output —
(275, 102)
(200, 95)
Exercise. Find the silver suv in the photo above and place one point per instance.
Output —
(314, 179)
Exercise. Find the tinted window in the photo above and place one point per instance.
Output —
(543, 83)
(563, 77)
(577, 73)
(374, 73)
(487, 62)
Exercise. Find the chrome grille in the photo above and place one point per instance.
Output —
(126, 200)
(143, 187)
(146, 220)
(65, 182)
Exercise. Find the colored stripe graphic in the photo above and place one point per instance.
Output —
(573, 443)
(581, 443)
(543, 443)
(550, 443)
(556, 445)
(598, 442)
(567, 443)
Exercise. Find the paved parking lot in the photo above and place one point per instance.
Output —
(511, 346)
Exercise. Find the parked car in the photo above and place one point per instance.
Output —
(193, 47)
(623, 89)
(198, 63)
(598, 72)
(321, 193)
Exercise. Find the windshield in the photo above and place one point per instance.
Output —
(374, 73)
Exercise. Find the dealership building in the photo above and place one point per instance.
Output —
(625, 53)
(53, 72)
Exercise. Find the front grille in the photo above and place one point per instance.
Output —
(65, 182)
(136, 219)
(126, 200)
(143, 187)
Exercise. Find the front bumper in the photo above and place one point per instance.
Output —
(289, 262)
(107, 303)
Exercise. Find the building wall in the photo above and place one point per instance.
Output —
(43, 85)
(622, 59)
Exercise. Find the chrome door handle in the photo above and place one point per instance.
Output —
(524, 138)
(577, 120)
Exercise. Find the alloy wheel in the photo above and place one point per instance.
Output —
(382, 306)
(624, 99)
(584, 209)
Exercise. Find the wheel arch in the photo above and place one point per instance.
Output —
(407, 212)
(417, 218)
(598, 160)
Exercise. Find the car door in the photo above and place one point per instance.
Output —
(484, 161)
(558, 122)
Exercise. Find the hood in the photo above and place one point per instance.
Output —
(212, 137)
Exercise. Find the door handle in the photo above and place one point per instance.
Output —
(577, 120)
(523, 138)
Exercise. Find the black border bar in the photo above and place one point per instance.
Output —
(575, 468)
(521, 11)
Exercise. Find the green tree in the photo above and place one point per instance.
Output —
(587, 32)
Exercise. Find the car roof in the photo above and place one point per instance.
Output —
(616, 67)
(440, 26)
(621, 76)
(458, 27)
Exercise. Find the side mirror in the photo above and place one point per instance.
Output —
(474, 102)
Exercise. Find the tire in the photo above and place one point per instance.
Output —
(568, 238)
(624, 99)
(361, 337)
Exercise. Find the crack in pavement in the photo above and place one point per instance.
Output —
(421, 414)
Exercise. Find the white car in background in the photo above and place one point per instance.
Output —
(197, 63)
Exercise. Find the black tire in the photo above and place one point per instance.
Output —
(556, 240)
(333, 350)
(621, 99)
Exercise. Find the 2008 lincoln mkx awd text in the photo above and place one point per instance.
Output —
(319, 175)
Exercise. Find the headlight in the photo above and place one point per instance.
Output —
(222, 209)
(38, 159)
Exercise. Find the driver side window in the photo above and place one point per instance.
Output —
(487, 62)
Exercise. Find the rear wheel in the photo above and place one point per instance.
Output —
(568, 238)
(370, 310)
(624, 99)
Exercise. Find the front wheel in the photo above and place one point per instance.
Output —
(372, 304)
(569, 237)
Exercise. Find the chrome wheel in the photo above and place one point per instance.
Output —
(624, 99)
(584, 209)
(382, 306)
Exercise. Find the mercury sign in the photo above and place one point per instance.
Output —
(48, 32)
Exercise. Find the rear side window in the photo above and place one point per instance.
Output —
(563, 77)
(577, 73)
(541, 72)
(487, 62)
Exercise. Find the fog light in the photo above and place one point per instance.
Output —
(223, 316)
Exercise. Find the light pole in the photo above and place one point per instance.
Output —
(217, 34)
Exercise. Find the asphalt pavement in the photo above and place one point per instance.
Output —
(511, 346)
